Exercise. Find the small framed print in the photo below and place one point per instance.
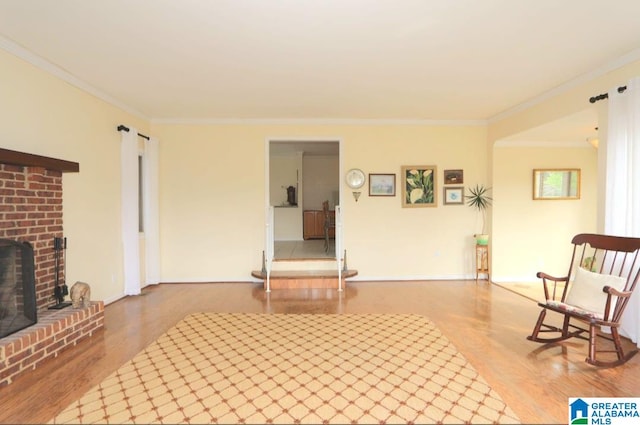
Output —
(454, 195)
(382, 185)
(453, 176)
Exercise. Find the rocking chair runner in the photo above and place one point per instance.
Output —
(603, 273)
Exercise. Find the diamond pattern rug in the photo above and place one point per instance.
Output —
(286, 368)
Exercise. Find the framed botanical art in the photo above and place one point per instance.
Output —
(454, 195)
(382, 185)
(419, 186)
(453, 176)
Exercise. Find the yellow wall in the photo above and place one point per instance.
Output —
(212, 189)
(45, 116)
(523, 241)
(213, 199)
(531, 236)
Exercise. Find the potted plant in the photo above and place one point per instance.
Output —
(480, 200)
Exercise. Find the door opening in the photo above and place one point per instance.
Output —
(311, 170)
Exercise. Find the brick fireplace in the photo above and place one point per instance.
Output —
(31, 211)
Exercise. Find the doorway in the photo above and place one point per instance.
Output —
(310, 169)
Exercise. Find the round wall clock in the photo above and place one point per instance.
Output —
(355, 178)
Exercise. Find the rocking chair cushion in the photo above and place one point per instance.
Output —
(586, 291)
(567, 307)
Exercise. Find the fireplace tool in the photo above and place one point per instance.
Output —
(60, 290)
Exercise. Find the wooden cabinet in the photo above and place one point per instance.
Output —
(309, 218)
(313, 224)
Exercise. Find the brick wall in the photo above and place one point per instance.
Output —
(31, 210)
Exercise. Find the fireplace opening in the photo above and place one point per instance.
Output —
(17, 287)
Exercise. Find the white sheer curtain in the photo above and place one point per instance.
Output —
(622, 195)
(129, 199)
(151, 215)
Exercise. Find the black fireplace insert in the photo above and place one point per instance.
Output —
(17, 287)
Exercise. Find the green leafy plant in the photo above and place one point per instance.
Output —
(480, 200)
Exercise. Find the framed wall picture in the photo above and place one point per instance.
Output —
(382, 185)
(562, 183)
(453, 176)
(419, 185)
(454, 195)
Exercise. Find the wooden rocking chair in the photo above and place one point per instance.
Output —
(603, 273)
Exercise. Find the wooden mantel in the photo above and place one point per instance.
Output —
(29, 160)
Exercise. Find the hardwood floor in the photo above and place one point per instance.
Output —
(488, 325)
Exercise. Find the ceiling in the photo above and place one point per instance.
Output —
(190, 60)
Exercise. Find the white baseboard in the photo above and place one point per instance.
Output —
(113, 299)
(408, 278)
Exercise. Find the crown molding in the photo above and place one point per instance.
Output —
(314, 121)
(630, 57)
(541, 144)
(41, 63)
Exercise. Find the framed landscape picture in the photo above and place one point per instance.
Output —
(418, 185)
(382, 185)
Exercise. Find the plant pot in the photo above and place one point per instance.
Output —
(482, 239)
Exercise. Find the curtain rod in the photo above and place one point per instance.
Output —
(124, 128)
(594, 99)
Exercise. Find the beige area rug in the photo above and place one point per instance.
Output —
(310, 368)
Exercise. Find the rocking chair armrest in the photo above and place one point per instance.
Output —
(614, 291)
(553, 291)
(543, 275)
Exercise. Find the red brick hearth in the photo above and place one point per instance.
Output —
(31, 211)
(55, 331)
